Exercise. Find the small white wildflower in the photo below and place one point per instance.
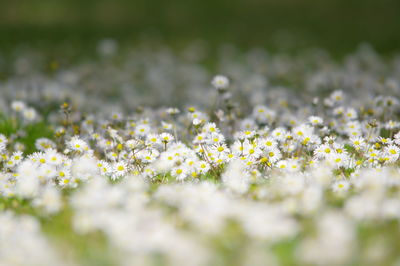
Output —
(220, 82)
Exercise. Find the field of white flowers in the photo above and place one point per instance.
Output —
(157, 157)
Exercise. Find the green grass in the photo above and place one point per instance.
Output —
(25, 134)
(90, 250)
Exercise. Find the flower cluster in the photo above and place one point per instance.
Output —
(228, 180)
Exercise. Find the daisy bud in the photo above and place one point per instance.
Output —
(196, 122)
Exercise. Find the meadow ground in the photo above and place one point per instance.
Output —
(147, 155)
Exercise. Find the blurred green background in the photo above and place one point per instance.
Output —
(336, 25)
